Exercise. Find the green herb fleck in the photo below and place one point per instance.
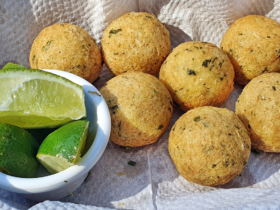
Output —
(188, 50)
(207, 149)
(116, 53)
(114, 107)
(265, 69)
(247, 132)
(155, 91)
(191, 72)
(214, 165)
(33, 59)
(132, 163)
(206, 62)
(128, 148)
(240, 34)
(115, 31)
(214, 61)
(220, 64)
(47, 46)
(268, 36)
(160, 127)
(245, 163)
(183, 130)
(76, 67)
(148, 16)
(197, 119)
(226, 163)
(274, 88)
(196, 47)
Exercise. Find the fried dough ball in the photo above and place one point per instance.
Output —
(253, 45)
(197, 74)
(258, 108)
(137, 41)
(140, 108)
(67, 47)
(209, 146)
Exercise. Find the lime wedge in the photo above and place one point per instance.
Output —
(32, 98)
(63, 147)
(13, 66)
(17, 152)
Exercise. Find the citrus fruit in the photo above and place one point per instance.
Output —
(32, 98)
(17, 152)
(13, 66)
(63, 147)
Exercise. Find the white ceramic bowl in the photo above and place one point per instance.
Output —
(56, 186)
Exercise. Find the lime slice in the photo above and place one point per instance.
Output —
(17, 152)
(63, 147)
(32, 98)
(13, 66)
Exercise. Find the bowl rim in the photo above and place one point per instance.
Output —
(56, 181)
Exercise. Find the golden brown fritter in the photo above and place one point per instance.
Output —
(258, 108)
(140, 108)
(197, 74)
(209, 145)
(66, 47)
(253, 45)
(137, 41)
